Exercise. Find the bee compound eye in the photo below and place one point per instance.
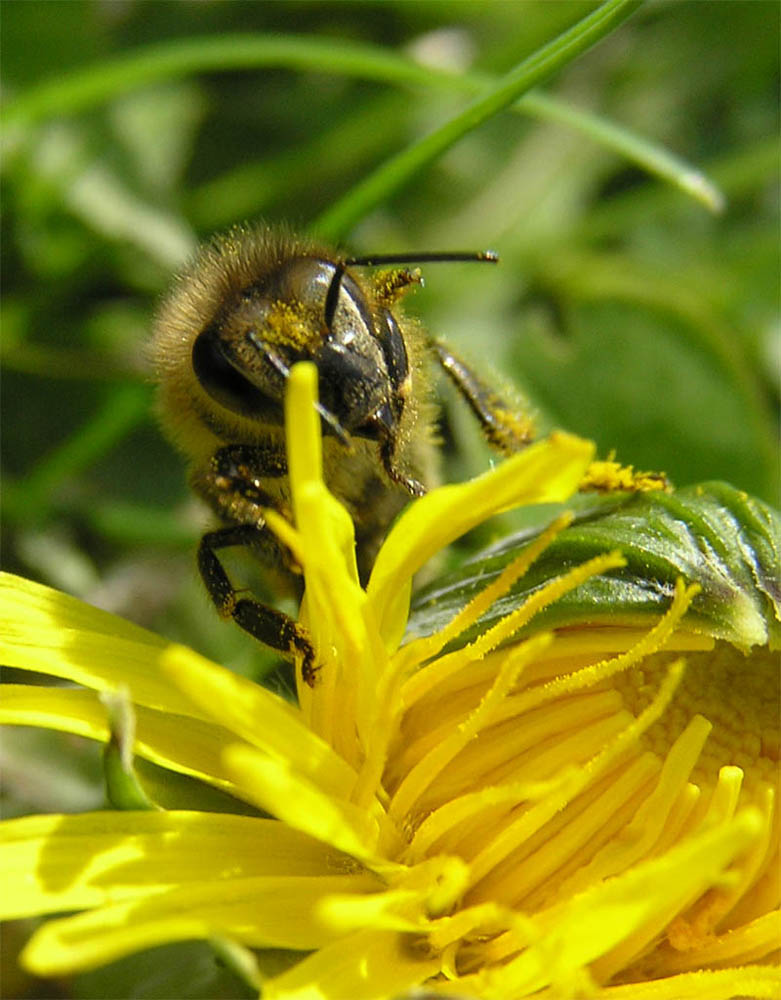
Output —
(393, 348)
(305, 280)
(221, 376)
(217, 376)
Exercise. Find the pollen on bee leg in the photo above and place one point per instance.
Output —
(390, 285)
(609, 476)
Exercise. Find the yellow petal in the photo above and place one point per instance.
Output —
(49, 632)
(636, 905)
(546, 472)
(180, 743)
(266, 912)
(604, 925)
(258, 716)
(302, 428)
(369, 965)
(755, 981)
(70, 710)
(324, 521)
(275, 786)
(752, 941)
(25, 603)
(58, 863)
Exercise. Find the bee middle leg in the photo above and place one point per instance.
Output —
(505, 427)
(234, 491)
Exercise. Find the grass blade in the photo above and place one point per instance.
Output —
(397, 171)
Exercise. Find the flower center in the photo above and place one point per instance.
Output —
(740, 695)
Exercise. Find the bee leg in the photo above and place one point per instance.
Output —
(412, 486)
(233, 481)
(232, 485)
(504, 426)
(272, 627)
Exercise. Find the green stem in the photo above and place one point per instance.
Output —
(397, 171)
(169, 61)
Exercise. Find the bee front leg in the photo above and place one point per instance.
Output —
(235, 493)
(504, 426)
(266, 624)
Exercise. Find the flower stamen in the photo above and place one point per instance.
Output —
(420, 650)
(519, 831)
(427, 769)
(643, 832)
(424, 681)
(650, 642)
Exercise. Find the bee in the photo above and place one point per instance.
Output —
(253, 303)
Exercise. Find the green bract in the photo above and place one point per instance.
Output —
(710, 534)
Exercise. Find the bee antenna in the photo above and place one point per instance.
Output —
(373, 260)
(330, 418)
(429, 257)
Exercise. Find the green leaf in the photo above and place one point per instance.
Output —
(711, 534)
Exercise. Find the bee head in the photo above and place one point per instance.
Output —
(256, 301)
(307, 308)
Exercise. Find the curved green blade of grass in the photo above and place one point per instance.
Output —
(397, 171)
(736, 172)
(154, 64)
(650, 156)
(90, 88)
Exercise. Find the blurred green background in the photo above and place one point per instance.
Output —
(624, 309)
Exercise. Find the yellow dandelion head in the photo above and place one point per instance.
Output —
(560, 781)
(608, 806)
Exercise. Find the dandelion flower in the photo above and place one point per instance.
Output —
(562, 783)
